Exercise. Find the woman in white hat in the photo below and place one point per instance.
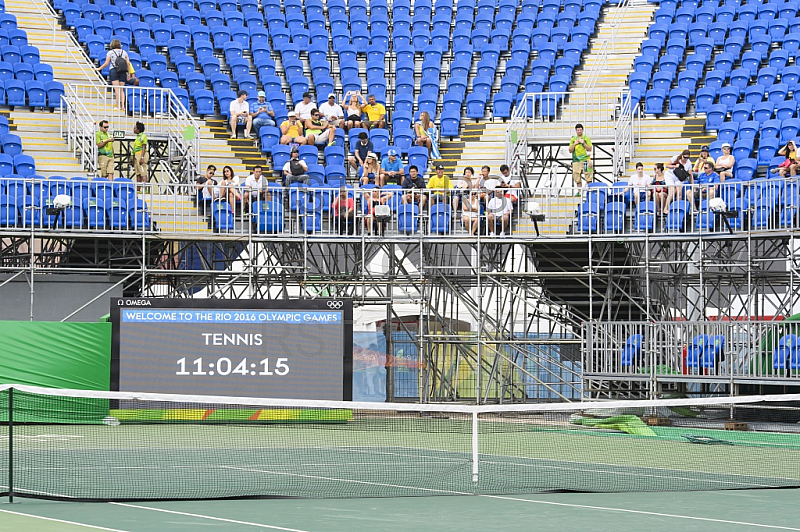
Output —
(724, 164)
(370, 171)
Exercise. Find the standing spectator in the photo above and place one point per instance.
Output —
(239, 111)
(415, 185)
(205, 186)
(789, 166)
(140, 153)
(118, 64)
(370, 172)
(353, 103)
(332, 111)
(264, 115)
(391, 169)
(701, 160)
(295, 170)
(471, 211)
(292, 130)
(303, 109)
(362, 148)
(105, 151)
(638, 185)
(376, 113)
(724, 163)
(498, 210)
(681, 168)
(440, 185)
(511, 185)
(318, 131)
(427, 135)
(580, 146)
(343, 208)
(255, 188)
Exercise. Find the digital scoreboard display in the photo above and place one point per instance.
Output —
(288, 349)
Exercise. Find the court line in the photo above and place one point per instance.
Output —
(642, 512)
(63, 521)
(201, 516)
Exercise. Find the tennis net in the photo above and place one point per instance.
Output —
(82, 445)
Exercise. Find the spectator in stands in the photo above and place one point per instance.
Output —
(370, 172)
(697, 169)
(229, 187)
(105, 151)
(362, 148)
(140, 153)
(462, 185)
(471, 211)
(343, 208)
(789, 166)
(480, 182)
(373, 198)
(203, 183)
(638, 184)
(118, 64)
(304, 108)
(239, 111)
(666, 187)
(498, 212)
(295, 170)
(440, 185)
(132, 80)
(264, 115)
(353, 104)
(681, 168)
(318, 132)
(376, 113)
(292, 130)
(705, 190)
(414, 184)
(724, 163)
(580, 146)
(391, 169)
(427, 135)
(332, 111)
(255, 188)
(510, 184)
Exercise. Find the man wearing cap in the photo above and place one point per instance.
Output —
(303, 109)
(332, 111)
(240, 114)
(295, 170)
(440, 185)
(264, 115)
(292, 130)
(360, 151)
(391, 169)
(376, 113)
(704, 157)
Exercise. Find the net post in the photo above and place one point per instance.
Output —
(475, 447)
(11, 445)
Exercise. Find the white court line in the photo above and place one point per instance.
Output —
(201, 516)
(642, 512)
(63, 521)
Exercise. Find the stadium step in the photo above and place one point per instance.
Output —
(244, 149)
(41, 139)
(177, 213)
(663, 138)
(451, 151)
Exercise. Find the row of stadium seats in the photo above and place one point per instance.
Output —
(91, 213)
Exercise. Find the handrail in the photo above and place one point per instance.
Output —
(624, 134)
(602, 56)
(517, 139)
(78, 128)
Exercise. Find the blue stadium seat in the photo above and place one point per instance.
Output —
(654, 101)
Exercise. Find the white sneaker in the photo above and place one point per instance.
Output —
(491, 233)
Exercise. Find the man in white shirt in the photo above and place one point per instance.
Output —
(294, 171)
(332, 111)
(256, 186)
(509, 183)
(303, 109)
(240, 114)
(499, 209)
(638, 183)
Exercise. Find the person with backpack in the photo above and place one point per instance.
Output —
(118, 65)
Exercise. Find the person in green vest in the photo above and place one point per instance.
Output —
(580, 146)
(105, 151)
(140, 156)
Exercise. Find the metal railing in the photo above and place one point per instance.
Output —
(161, 112)
(607, 46)
(718, 350)
(517, 139)
(78, 128)
(624, 142)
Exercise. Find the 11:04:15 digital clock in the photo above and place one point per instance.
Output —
(225, 366)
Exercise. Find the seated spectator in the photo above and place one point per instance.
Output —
(332, 111)
(318, 132)
(480, 181)
(391, 169)
(705, 184)
(415, 185)
(132, 80)
(789, 166)
(471, 211)
(255, 188)
(498, 211)
(239, 111)
(205, 187)
(343, 208)
(292, 130)
(295, 170)
(370, 172)
(264, 114)
(360, 151)
(462, 186)
(666, 187)
(376, 113)
(697, 169)
(427, 135)
(510, 184)
(373, 198)
(724, 163)
(353, 103)
(304, 108)
(440, 186)
(638, 185)
(229, 187)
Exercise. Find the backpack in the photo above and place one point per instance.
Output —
(120, 64)
(296, 168)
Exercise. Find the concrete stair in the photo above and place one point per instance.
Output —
(663, 138)
(41, 139)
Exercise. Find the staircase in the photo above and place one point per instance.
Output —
(41, 139)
